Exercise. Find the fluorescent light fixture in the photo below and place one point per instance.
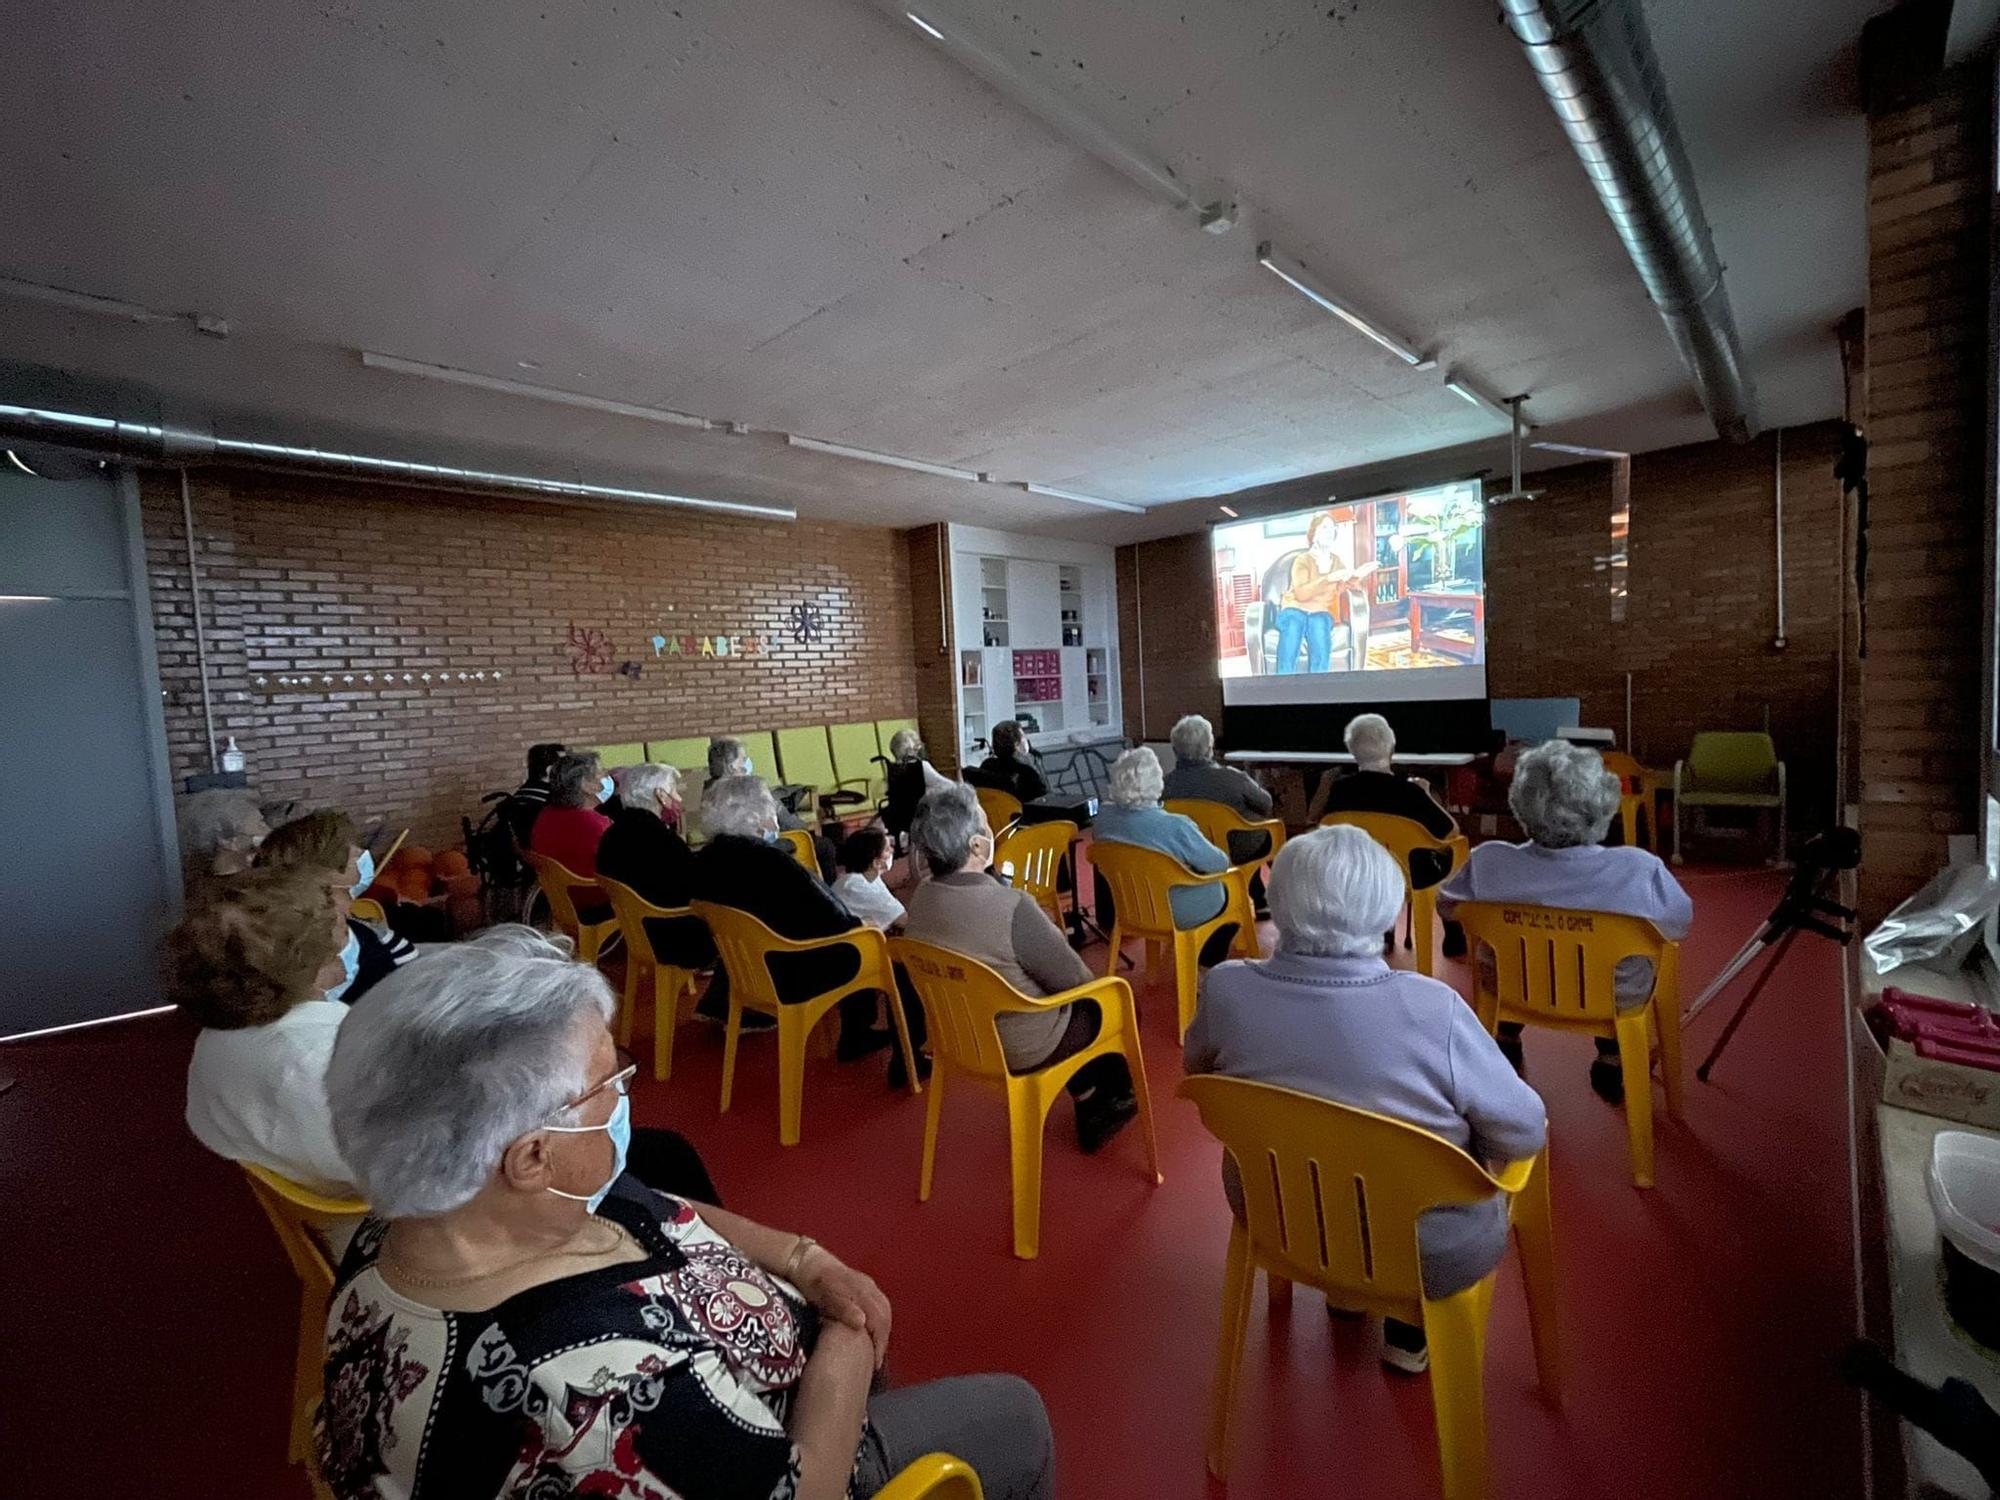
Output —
(1049, 104)
(1462, 388)
(870, 456)
(15, 459)
(1301, 280)
(84, 302)
(1580, 450)
(451, 376)
(1228, 510)
(27, 598)
(1102, 504)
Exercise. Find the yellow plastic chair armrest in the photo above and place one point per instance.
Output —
(1514, 1176)
(1102, 987)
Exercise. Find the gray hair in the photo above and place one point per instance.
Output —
(726, 756)
(1370, 740)
(741, 805)
(1334, 892)
(641, 785)
(1563, 795)
(906, 744)
(946, 822)
(1193, 739)
(1136, 779)
(576, 780)
(212, 821)
(460, 1056)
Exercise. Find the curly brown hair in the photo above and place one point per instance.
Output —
(249, 948)
(321, 840)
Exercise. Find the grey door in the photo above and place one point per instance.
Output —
(88, 871)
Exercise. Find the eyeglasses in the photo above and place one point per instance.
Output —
(620, 1081)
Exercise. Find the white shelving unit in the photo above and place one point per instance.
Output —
(1035, 621)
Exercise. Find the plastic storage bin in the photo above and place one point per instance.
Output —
(1965, 1195)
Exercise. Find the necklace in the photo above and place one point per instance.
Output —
(619, 1239)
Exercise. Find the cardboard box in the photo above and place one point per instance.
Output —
(1946, 1089)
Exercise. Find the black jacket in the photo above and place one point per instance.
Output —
(1386, 792)
(768, 883)
(1015, 776)
(641, 851)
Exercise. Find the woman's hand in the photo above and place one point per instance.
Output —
(846, 1296)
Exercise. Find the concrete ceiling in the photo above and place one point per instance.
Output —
(802, 216)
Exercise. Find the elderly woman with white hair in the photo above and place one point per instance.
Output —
(1565, 800)
(1132, 814)
(521, 1316)
(1198, 776)
(963, 908)
(742, 865)
(1326, 1015)
(643, 849)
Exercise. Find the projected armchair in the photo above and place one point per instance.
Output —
(1260, 624)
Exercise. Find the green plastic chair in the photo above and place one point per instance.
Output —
(887, 729)
(611, 757)
(805, 758)
(1735, 769)
(854, 750)
(762, 748)
(689, 754)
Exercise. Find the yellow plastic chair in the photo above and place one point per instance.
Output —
(366, 909)
(1635, 795)
(300, 1217)
(745, 945)
(801, 844)
(564, 890)
(1141, 881)
(1036, 851)
(963, 1001)
(1332, 1196)
(1002, 809)
(1555, 968)
(935, 1476)
(669, 984)
(1217, 822)
(1402, 837)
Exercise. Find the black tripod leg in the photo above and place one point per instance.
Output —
(1771, 964)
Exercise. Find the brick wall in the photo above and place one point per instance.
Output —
(1700, 612)
(933, 643)
(302, 576)
(1166, 604)
(1928, 213)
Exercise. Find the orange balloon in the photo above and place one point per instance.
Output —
(410, 856)
(415, 885)
(451, 862)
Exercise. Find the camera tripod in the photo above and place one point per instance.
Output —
(1804, 907)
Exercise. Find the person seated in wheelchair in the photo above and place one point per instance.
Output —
(963, 908)
(1132, 814)
(1326, 1015)
(1565, 800)
(1010, 768)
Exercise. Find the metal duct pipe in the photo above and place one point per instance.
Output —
(181, 444)
(1596, 63)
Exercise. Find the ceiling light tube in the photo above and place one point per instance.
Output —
(1054, 108)
(451, 376)
(1462, 388)
(84, 302)
(870, 456)
(1102, 504)
(1580, 450)
(1301, 280)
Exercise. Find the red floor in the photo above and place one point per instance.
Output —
(147, 1329)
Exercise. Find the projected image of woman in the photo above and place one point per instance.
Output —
(1317, 597)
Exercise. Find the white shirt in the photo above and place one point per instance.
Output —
(259, 1095)
(870, 900)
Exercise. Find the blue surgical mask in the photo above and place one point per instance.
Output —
(770, 835)
(365, 866)
(749, 766)
(350, 961)
(619, 1127)
(605, 787)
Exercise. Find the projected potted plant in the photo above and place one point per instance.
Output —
(1449, 535)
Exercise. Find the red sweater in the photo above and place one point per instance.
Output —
(569, 836)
